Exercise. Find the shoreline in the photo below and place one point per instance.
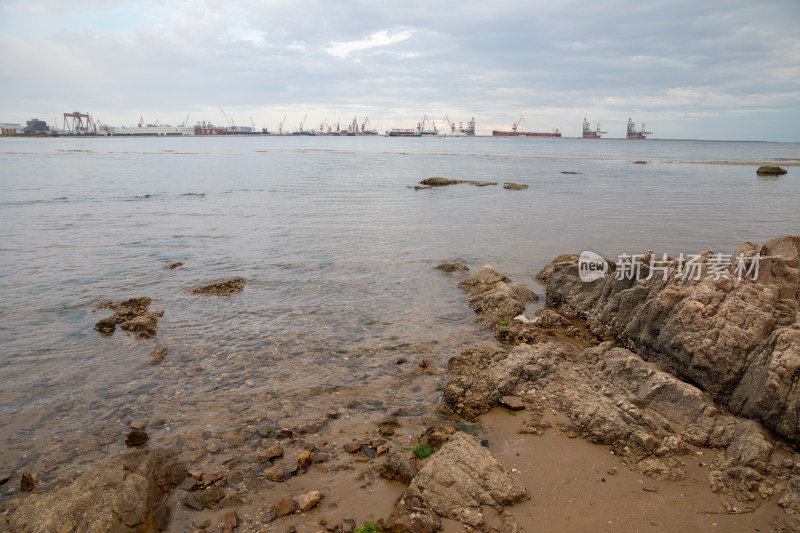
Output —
(645, 457)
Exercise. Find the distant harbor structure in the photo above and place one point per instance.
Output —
(589, 133)
(633, 133)
(516, 133)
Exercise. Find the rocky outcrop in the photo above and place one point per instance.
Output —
(222, 288)
(130, 315)
(461, 481)
(515, 186)
(768, 170)
(652, 420)
(734, 338)
(125, 494)
(494, 298)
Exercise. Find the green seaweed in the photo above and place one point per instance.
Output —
(368, 527)
(422, 451)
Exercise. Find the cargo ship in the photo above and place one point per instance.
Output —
(516, 133)
(403, 133)
(633, 133)
(589, 133)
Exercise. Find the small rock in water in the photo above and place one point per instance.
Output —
(222, 288)
(135, 438)
(514, 186)
(27, 483)
(454, 266)
(305, 459)
(512, 402)
(768, 170)
(265, 430)
(158, 355)
(173, 266)
(139, 424)
(308, 500)
(640, 162)
(270, 453)
(352, 447)
(277, 473)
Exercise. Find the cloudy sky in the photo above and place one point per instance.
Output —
(690, 69)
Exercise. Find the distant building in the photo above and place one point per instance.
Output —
(36, 127)
(154, 131)
(10, 129)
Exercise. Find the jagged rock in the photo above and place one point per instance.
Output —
(308, 500)
(735, 339)
(492, 295)
(143, 327)
(130, 315)
(222, 288)
(767, 170)
(123, 494)
(456, 483)
(402, 466)
(514, 186)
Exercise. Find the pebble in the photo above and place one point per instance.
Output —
(276, 473)
(512, 402)
(232, 519)
(270, 453)
(265, 430)
(307, 500)
(305, 459)
(284, 507)
(27, 483)
(139, 424)
(135, 438)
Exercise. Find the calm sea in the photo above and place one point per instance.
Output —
(338, 250)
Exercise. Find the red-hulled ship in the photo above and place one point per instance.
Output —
(515, 133)
(589, 133)
(633, 133)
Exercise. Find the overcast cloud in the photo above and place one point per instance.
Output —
(710, 70)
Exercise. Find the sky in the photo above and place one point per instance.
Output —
(688, 69)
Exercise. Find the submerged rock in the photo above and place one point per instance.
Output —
(130, 315)
(438, 181)
(455, 266)
(127, 493)
(514, 186)
(222, 288)
(767, 170)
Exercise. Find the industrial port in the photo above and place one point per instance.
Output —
(77, 123)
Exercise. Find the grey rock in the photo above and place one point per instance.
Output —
(124, 493)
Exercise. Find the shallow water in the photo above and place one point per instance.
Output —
(338, 252)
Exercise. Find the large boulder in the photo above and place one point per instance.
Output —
(734, 338)
(456, 483)
(127, 493)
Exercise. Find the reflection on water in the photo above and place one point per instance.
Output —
(338, 253)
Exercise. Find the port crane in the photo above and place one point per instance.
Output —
(364, 126)
(517, 123)
(280, 126)
(451, 123)
(233, 126)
